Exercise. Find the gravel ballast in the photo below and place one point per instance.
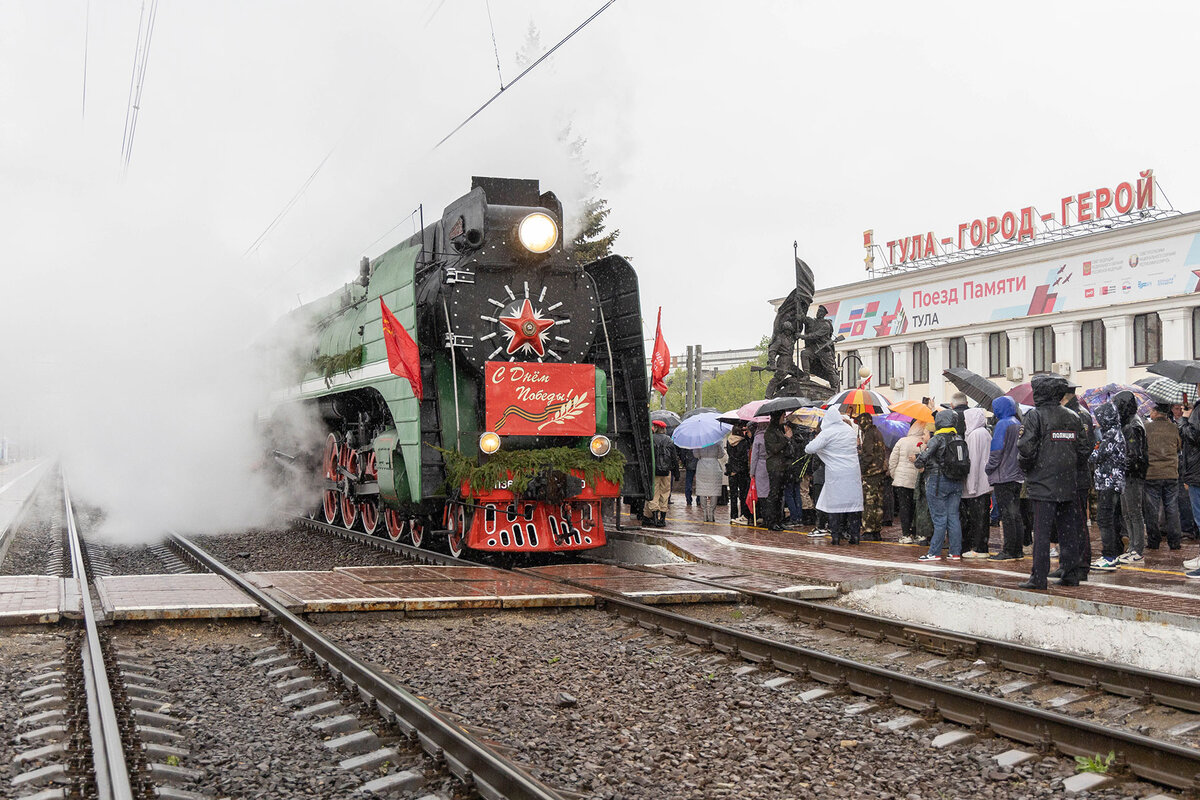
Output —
(238, 730)
(292, 548)
(20, 652)
(607, 709)
(38, 537)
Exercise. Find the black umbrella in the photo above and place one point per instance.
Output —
(701, 410)
(1145, 382)
(669, 417)
(785, 404)
(974, 386)
(1180, 370)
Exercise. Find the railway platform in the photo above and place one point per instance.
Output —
(1156, 585)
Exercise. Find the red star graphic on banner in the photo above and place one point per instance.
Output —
(527, 330)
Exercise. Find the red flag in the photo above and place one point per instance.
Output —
(752, 496)
(660, 359)
(404, 359)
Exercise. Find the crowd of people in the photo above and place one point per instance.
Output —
(1039, 475)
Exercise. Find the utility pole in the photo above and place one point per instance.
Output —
(688, 383)
(698, 391)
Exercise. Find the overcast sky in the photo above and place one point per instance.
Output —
(721, 132)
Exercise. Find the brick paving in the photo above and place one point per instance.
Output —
(187, 596)
(1158, 584)
(26, 599)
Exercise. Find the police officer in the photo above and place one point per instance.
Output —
(1052, 450)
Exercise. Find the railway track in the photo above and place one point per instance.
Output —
(1144, 756)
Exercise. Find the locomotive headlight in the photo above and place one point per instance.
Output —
(538, 232)
(489, 442)
(600, 445)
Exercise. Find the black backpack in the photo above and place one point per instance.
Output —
(956, 459)
(664, 455)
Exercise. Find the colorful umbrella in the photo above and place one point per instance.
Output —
(913, 410)
(809, 417)
(700, 430)
(750, 410)
(893, 430)
(856, 401)
(1097, 397)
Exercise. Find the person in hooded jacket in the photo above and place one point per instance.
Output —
(1108, 462)
(977, 492)
(1006, 477)
(872, 462)
(1083, 485)
(737, 467)
(777, 441)
(841, 496)
(904, 479)
(942, 493)
(1052, 448)
(1137, 458)
(1162, 479)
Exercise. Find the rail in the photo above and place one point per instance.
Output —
(493, 775)
(108, 755)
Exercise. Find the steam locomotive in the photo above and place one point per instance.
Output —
(534, 404)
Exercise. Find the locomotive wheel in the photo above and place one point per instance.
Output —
(368, 510)
(349, 462)
(416, 532)
(394, 523)
(329, 506)
(457, 538)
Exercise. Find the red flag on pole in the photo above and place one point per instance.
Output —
(660, 359)
(752, 495)
(404, 359)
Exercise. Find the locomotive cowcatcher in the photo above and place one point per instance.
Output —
(533, 372)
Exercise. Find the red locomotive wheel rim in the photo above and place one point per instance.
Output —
(393, 523)
(458, 531)
(349, 511)
(370, 516)
(416, 532)
(329, 507)
(331, 458)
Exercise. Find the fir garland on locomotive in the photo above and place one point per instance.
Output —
(532, 366)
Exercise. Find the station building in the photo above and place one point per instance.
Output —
(1097, 306)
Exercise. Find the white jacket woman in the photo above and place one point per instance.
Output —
(837, 446)
(900, 466)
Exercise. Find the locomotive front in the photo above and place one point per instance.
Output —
(525, 329)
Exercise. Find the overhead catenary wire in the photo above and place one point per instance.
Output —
(87, 21)
(140, 62)
(288, 206)
(495, 48)
(528, 69)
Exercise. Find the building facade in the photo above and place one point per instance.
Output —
(1098, 308)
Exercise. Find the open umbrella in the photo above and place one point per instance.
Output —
(1165, 390)
(809, 417)
(700, 430)
(856, 401)
(785, 404)
(913, 410)
(1022, 393)
(669, 417)
(1097, 397)
(749, 410)
(893, 430)
(701, 410)
(1180, 370)
(974, 386)
(1145, 382)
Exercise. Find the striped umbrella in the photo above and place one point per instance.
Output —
(856, 401)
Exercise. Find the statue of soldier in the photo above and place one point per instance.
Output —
(780, 352)
(817, 356)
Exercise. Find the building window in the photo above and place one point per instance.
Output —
(885, 371)
(920, 362)
(1147, 339)
(956, 352)
(1091, 336)
(997, 354)
(851, 362)
(1043, 349)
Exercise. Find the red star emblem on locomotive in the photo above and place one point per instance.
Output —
(528, 330)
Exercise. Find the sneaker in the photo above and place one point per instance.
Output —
(1130, 558)
(740, 520)
(953, 557)
(1192, 563)
(1002, 556)
(1054, 552)
(974, 554)
(1193, 574)
(929, 557)
(1105, 564)
(909, 540)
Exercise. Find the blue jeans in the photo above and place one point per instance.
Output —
(1161, 498)
(943, 496)
(791, 497)
(1194, 494)
(689, 480)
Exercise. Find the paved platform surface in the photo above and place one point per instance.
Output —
(185, 596)
(1158, 584)
(35, 599)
